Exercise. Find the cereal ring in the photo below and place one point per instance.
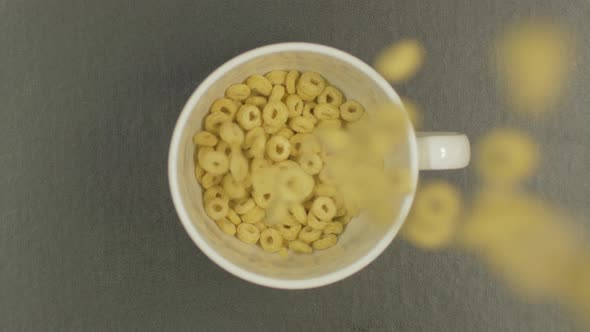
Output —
(323, 207)
(332, 96)
(225, 106)
(253, 216)
(214, 192)
(231, 133)
(400, 61)
(216, 208)
(314, 222)
(205, 138)
(276, 77)
(278, 148)
(226, 226)
(233, 217)
(334, 228)
(326, 112)
(351, 111)
(248, 233)
(277, 93)
(259, 84)
(244, 206)
(434, 216)
(506, 157)
(325, 242)
(214, 120)
(300, 247)
(309, 234)
(291, 81)
(238, 165)
(301, 124)
(224, 148)
(237, 92)
(294, 185)
(297, 212)
(233, 188)
(199, 173)
(258, 101)
(214, 162)
(262, 199)
(289, 229)
(285, 132)
(249, 117)
(311, 163)
(310, 84)
(294, 105)
(275, 114)
(271, 240)
(209, 180)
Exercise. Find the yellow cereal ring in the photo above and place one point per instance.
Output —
(289, 229)
(209, 180)
(258, 101)
(294, 105)
(238, 92)
(297, 212)
(226, 226)
(334, 228)
(277, 93)
(248, 233)
(326, 112)
(253, 216)
(271, 240)
(311, 163)
(216, 208)
(233, 217)
(285, 132)
(214, 162)
(325, 242)
(314, 222)
(291, 81)
(310, 84)
(259, 84)
(434, 216)
(324, 208)
(215, 192)
(300, 124)
(506, 157)
(249, 117)
(233, 188)
(199, 173)
(225, 106)
(309, 234)
(400, 61)
(262, 199)
(231, 133)
(275, 114)
(278, 148)
(300, 247)
(205, 138)
(332, 96)
(214, 120)
(244, 206)
(351, 111)
(277, 77)
(238, 165)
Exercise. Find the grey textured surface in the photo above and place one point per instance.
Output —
(90, 91)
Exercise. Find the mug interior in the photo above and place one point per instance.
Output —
(361, 242)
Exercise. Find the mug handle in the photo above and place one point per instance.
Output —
(442, 150)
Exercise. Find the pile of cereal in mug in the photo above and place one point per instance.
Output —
(262, 168)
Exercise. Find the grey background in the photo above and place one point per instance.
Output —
(90, 92)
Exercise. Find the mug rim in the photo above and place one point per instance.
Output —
(197, 238)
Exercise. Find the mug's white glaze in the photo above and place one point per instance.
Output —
(360, 244)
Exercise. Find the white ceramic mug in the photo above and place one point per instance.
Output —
(361, 243)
